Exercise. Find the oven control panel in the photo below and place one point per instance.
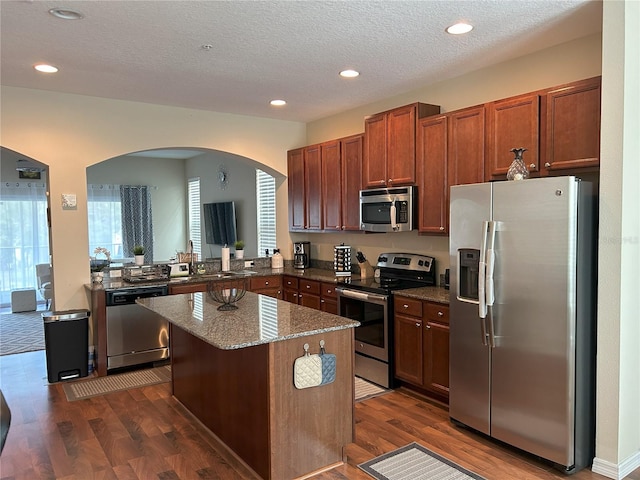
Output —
(406, 261)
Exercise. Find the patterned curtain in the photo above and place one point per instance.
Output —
(137, 226)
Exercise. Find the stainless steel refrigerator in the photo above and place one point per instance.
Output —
(522, 338)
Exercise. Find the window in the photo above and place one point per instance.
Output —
(105, 219)
(24, 235)
(193, 201)
(266, 209)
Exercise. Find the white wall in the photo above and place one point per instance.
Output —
(71, 132)
(618, 361)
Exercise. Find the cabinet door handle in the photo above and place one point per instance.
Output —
(428, 327)
(266, 283)
(405, 306)
(308, 286)
(441, 228)
(547, 164)
(418, 324)
(532, 166)
(440, 314)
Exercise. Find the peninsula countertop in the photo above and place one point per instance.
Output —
(259, 319)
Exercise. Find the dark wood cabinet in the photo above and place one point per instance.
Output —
(512, 123)
(466, 146)
(270, 285)
(390, 145)
(421, 330)
(572, 126)
(187, 288)
(313, 187)
(324, 185)
(290, 288)
(309, 293)
(296, 189)
(351, 163)
(436, 348)
(331, 185)
(328, 298)
(431, 170)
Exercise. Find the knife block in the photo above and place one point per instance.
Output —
(366, 270)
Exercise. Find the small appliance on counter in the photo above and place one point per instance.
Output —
(277, 261)
(342, 260)
(145, 273)
(301, 255)
(179, 269)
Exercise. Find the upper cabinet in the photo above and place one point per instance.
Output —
(390, 145)
(431, 171)
(296, 184)
(324, 185)
(466, 145)
(559, 127)
(351, 150)
(512, 123)
(572, 118)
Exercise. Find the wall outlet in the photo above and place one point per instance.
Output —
(248, 263)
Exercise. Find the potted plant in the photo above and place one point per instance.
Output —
(138, 253)
(239, 246)
(98, 265)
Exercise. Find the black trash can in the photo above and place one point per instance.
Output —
(66, 339)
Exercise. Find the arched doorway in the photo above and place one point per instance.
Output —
(168, 173)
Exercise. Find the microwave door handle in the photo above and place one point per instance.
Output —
(392, 215)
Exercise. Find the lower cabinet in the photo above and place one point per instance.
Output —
(422, 345)
(187, 288)
(328, 298)
(270, 285)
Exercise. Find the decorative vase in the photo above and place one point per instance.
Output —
(517, 169)
(97, 277)
(239, 254)
(139, 259)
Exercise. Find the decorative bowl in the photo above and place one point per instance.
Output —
(227, 293)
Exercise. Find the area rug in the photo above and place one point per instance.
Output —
(366, 389)
(81, 389)
(21, 332)
(414, 462)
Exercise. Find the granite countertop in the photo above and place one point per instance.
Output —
(433, 294)
(259, 319)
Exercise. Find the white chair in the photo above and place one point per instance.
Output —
(43, 272)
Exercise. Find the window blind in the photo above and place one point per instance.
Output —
(193, 192)
(266, 208)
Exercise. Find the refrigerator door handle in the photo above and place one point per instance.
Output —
(482, 272)
(491, 263)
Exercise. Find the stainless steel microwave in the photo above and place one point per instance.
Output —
(388, 209)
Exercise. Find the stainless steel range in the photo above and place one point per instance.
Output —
(370, 301)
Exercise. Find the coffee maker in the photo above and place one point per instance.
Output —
(301, 255)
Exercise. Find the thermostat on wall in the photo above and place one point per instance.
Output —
(69, 201)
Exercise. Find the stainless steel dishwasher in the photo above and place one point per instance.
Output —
(135, 335)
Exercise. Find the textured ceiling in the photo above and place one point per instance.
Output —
(151, 51)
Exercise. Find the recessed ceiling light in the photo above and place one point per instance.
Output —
(349, 73)
(278, 103)
(66, 14)
(44, 68)
(459, 28)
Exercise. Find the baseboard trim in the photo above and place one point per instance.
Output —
(616, 471)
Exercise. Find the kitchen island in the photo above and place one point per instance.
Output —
(234, 371)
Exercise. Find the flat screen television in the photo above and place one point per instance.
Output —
(220, 223)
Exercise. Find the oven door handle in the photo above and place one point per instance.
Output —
(365, 297)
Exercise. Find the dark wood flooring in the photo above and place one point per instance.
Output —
(146, 434)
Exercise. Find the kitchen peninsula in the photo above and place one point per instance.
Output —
(234, 371)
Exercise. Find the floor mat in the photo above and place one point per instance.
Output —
(414, 462)
(21, 332)
(81, 389)
(366, 389)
